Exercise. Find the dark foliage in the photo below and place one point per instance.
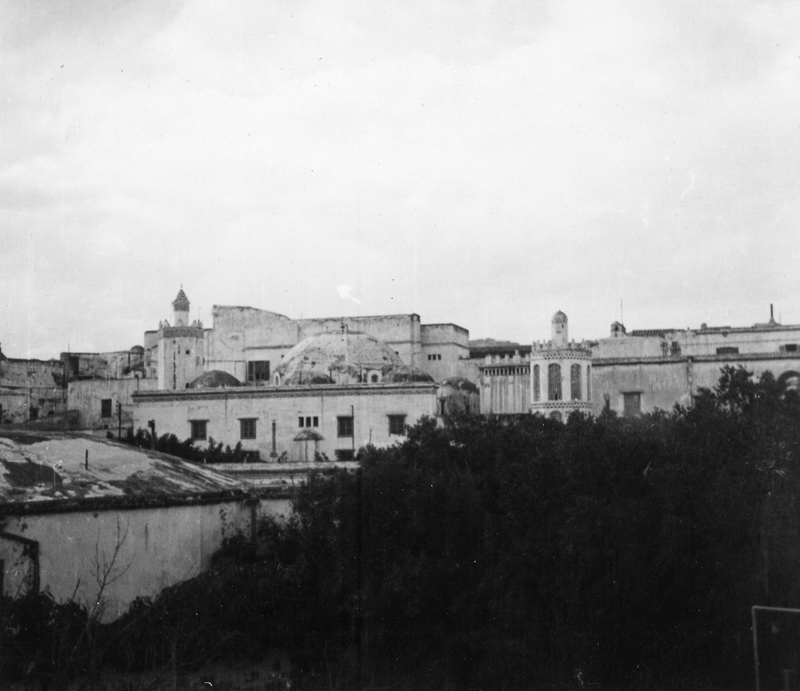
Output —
(215, 452)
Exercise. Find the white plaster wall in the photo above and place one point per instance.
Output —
(157, 548)
(224, 412)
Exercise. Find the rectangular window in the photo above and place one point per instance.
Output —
(258, 370)
(34, 414)
(789, 348)
(344, 454)
(728, 350)
(435, 356)
(106, 407)
(632, 402)
(344, 426)
(198, 429)
(308, 421)
(301, 421)
(397, 424)
(247, 428)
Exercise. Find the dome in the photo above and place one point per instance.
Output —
(340, 358)
(215, 379)
(559, 318)
(137, 350)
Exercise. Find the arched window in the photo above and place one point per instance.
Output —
(575, 382)
(588, 382)
(555, 415)
(536, 383)
(554, 382)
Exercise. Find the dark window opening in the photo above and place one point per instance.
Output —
(106, 408)
(308, 421)
(344, 455)
(34, 413)
(675, 348)
(575, 382)
(397, 424)
(258, 370)
(632, 403)
(556, 415)
(789, 348)
(728, 350)
(536, 383)
(198, 429)
(344, 426)
(554, 382)
(374, 378)
(247, 428)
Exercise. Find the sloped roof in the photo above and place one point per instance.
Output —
(181, 300)
(47, 472)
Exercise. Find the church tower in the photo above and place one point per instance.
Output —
(180, 309)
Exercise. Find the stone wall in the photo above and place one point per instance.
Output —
(141, 550)
(86, 397)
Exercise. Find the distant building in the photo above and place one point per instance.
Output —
(249, 343)
(553, 378)
(641, 371)
(330, 395)
(630, 372)
(30, 389)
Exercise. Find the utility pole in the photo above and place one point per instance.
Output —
(119, 419)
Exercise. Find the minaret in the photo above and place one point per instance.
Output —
(560, 330)
(180, 307)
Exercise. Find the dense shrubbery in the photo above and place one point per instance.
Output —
(215, 452)
(509, 553)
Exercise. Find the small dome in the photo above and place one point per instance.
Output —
(559, 318)
(215, 379)
(137, 350)
(341, 358)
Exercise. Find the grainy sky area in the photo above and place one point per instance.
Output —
(484, 163)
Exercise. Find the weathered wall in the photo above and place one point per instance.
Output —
(372, 405)
(85, 396)
(181, 356)
(155, 548)
(506, 390)
(114, 364)
(28, 384)
(241, 334)
(663, 382)
(443, 345)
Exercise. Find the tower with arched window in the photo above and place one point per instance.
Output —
(561, 373)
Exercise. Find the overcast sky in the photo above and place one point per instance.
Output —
(483, 163)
